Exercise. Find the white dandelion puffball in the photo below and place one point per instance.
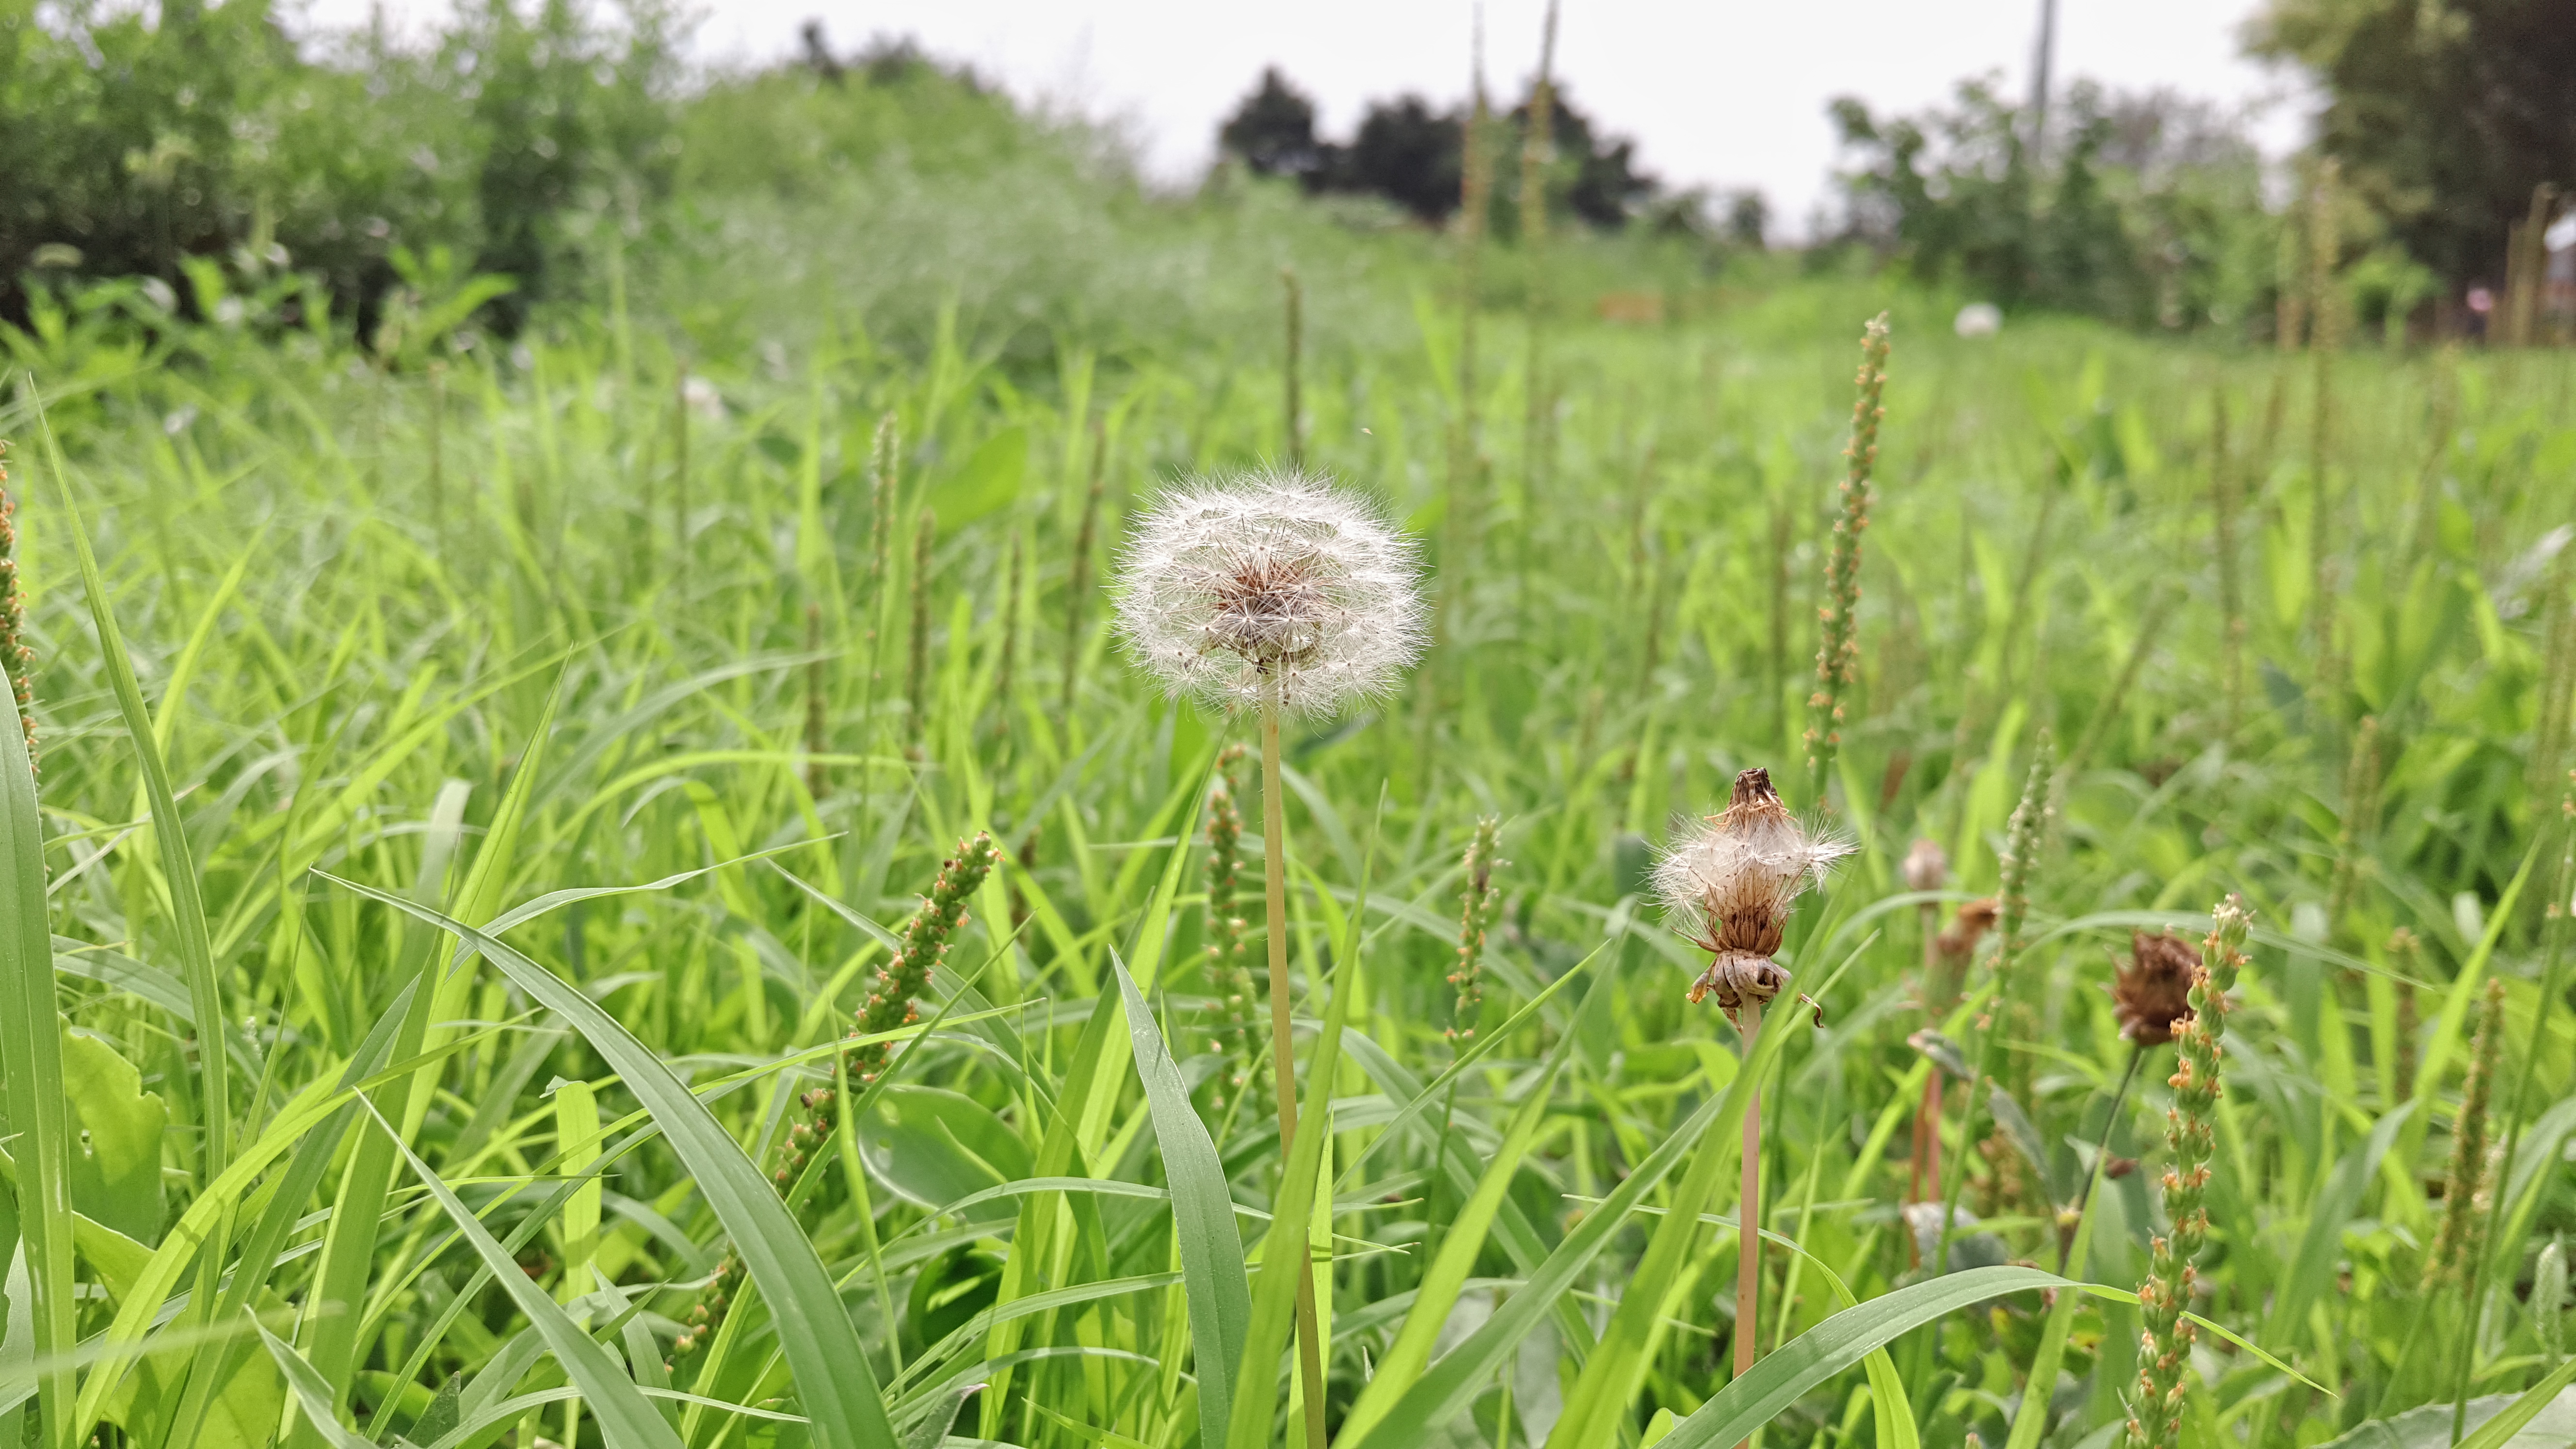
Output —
(1727, 884)
(1273, 588)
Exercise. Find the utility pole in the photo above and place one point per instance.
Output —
(2039, 80)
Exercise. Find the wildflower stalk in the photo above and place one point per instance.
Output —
(916, 679)
(1838, 654)
(883, 481)
(680, 459)
(1295, 300)
(2013, 909)
(1077, 587)
(818, 717)
(1010, 622)
(2457, 1240)
(888, 1008)
(1538, 151)
(17, 659)
(2224, 502)
(1477, 906)
(1927, 869)
(2360, 809)
(2017, 1007)
(2192, 1133)
(2552, 984)
(1228, 975)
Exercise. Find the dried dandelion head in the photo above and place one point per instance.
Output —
(1927, 866)
(2152, 994)
(1728, 884)
(1272, 589)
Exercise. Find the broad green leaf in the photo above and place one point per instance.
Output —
(116, 1174)
(934, 1146)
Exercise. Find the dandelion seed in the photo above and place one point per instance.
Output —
(1275, 590)
(1728, 885)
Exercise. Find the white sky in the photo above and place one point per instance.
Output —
(1718, 94)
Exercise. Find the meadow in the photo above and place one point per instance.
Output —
(477, 790)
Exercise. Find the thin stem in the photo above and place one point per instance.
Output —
(1748, 1216)
(1283, 1060)
(2110, 1124)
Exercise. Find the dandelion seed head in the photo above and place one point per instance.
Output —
(1272, 585)
(2152, 993)
(1728, 882)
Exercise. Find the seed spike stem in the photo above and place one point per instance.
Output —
(1748, 1215)
(2552, 983)
(1283, 1060)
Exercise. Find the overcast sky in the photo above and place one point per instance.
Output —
(1717, 94)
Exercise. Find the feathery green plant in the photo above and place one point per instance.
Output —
(1478, 904)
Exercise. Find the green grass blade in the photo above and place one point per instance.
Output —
(834, 1380)
(169, 834)
(31, 1060)
(2495, 1433)
(626, 1419)
(1219, 1292)
(1463, 1240)
(312, 1393)
(1834, 1345)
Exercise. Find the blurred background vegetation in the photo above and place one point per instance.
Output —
(201, 155)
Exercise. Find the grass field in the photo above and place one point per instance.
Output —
(677, 689)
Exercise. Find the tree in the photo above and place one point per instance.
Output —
(2446, 114)
(1408, 154)
(1274, 130)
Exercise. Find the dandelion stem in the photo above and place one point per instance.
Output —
(1283, 1058)
(1748, 1214)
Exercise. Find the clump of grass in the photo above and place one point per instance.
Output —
(1838, 655)
(889, 1007)
(1477, 905)
(2456, 1243)
(2191, 1133)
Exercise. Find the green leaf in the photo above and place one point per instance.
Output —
(988, 480)
(833, 1379)
(1217, 1290)
(2509, 1423)
(2552, 1425)
(116, 1176)
(934, 1146)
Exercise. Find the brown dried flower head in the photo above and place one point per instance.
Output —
(1958, 941)
(1728, 884)
(2152, 994)
(1927, 866)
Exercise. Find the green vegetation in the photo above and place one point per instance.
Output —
(488, 777)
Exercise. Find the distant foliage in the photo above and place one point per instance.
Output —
(134, 139)
(1414, 155)
(2445, 116)
(2142, 209)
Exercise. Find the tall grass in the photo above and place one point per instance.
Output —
(464, 839)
